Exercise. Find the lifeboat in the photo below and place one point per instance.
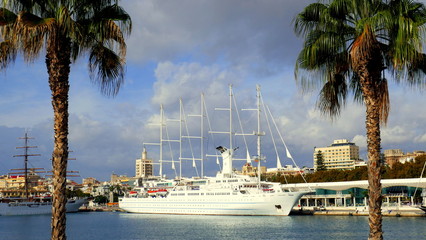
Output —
(157, 191)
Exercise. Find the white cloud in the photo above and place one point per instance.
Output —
(395, 134)
(188, 80)
(360, 141)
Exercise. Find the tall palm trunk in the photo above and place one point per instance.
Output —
(367, 63)
(58, 65)
(374, 166)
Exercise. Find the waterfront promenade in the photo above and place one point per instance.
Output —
(392, 211)
(405, 211)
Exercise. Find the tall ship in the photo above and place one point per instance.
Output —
(29, 199)
(227, 193)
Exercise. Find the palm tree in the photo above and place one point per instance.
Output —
(66, 29)
(348, 46)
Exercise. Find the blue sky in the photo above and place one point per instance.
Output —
(180, 49)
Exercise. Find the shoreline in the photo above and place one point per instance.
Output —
(101, 209)
(359, 211)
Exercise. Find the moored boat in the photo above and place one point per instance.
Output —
(15, 208)
(31, 201)
(228, 193)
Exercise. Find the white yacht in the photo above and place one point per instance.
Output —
(225, 194)
(228, 193)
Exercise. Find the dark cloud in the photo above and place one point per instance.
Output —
(250, 32)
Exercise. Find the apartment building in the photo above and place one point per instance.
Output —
(341, 155)
(393, 156)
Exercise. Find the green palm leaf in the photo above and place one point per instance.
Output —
(106, 69)
(348, 46)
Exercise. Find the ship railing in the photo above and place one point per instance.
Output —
(35, 204)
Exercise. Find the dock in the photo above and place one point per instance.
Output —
(406, 211)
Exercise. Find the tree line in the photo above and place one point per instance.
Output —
(399, 170)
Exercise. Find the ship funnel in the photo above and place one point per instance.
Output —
(227, 155)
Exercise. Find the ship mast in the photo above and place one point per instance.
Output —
(227, 153)
(201, 137)
(160, 144)
(258, 134)
(26, 155)
(230, 118)
(202, 134)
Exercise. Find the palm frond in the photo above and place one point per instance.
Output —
(32, 31)
(8, 52)
(119, 15)
(308, 19)
(332, 96)
(106, 68)
(356, 89)
(108, 25)
(339, 9)
(416, 72)
(65, 21)
(7, 17)
(384, 103)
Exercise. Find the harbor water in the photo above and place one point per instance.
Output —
(126, 226)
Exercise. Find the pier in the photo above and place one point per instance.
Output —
(393, 211)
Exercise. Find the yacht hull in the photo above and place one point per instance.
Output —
(239, 204)
(36, 208)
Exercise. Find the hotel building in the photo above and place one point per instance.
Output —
(341, 155)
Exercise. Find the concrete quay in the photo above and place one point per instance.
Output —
(405, 211)
(100, 209)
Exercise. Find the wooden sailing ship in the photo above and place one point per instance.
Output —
(26, 193)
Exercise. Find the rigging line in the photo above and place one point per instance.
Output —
(287, 151)
(211, 134)
(421, 176)
(189, 140)
(170, 149)
(241, 125)
(273, 141)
